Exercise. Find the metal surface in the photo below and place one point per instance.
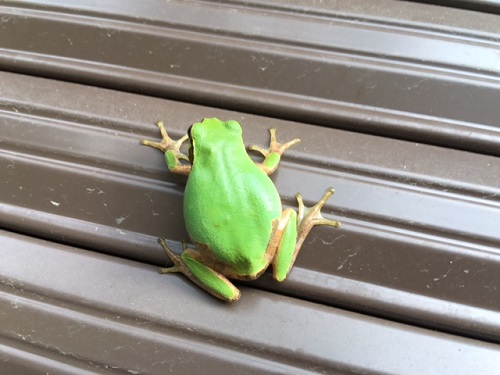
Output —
(408, 284)
(487, 6)
(342, 66)
(128, 319)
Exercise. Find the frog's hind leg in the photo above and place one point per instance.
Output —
(190, 264)
(286, 235)
(293, 230)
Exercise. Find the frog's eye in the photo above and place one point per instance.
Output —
(191, 153)
(233, 126)
(196, 131)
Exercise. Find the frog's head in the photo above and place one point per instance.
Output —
(212, 134)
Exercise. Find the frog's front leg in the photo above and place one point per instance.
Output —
(171, 149)
(192, 264)
(292, 231)
(273, 154)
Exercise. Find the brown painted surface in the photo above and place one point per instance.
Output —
(397, 109)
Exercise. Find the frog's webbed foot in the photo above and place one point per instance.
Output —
(191, 264)
(178, 266)
(275, 146)
(167, 143)
(311, 216)
(171, 149)
(273, 153)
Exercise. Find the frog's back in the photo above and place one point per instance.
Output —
(229, 205)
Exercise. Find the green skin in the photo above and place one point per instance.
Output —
(232, 209)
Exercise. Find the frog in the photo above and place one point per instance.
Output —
(232, 210)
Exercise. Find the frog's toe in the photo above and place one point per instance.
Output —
(312, 215)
